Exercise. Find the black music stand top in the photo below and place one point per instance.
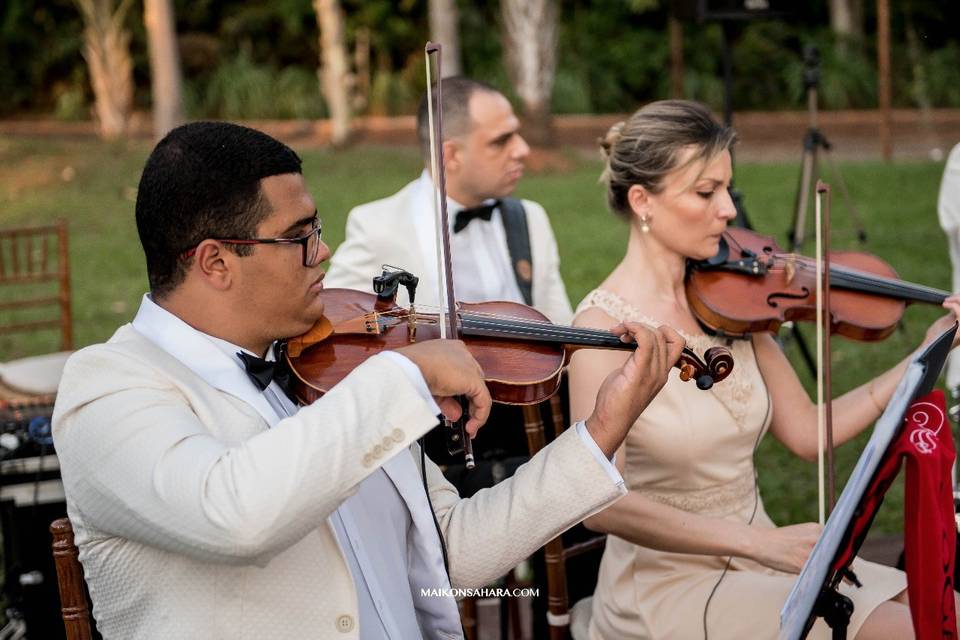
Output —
(817, 578)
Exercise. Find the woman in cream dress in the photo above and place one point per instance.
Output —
(691, 551)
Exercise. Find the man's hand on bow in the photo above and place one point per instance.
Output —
(450, 370)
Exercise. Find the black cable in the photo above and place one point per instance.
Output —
(433, 514)
(753, 514)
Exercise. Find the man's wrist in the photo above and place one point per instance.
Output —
(601, 435)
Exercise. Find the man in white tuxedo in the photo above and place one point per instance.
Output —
(948, 212)
(502, 248)
(207, 505)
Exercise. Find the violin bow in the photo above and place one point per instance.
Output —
(448, 309)
(826, 499)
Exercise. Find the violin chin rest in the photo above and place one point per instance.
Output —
(317, 333)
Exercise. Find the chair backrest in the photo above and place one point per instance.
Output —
(73, 594)
(35, 270)
(559, 551)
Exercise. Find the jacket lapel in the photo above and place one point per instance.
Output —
(438, 617)
(199, 354)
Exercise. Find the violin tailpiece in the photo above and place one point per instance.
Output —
(367, 324)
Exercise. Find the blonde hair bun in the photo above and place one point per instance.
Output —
(608, 141)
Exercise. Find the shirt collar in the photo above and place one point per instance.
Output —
(426, 184)
(213, 359)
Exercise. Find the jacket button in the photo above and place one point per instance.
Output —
(387, 443)
(367, 460)
(397, 435)
(345, 623)
(377, 451)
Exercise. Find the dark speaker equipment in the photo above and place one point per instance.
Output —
(30, 577)
(31, 497)
(740, 10)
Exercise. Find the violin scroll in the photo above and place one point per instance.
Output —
(716, 364)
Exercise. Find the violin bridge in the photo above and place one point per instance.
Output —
(790, 268)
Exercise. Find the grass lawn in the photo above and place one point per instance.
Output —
(93, 186)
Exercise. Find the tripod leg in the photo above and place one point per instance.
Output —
(808, 168)
(804, 349)
(851, 207)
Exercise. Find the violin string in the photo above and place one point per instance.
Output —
(880, 284)
(861, 276)
(872, 283)
(516, 322)
(565, 334)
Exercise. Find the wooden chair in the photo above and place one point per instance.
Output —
(32, 255)
(35, 286)
(567, 546)
(73, 594)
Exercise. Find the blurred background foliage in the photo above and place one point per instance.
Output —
(246, 59)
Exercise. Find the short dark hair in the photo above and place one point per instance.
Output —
(457, 91)
(203, 181)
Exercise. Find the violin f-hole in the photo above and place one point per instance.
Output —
(802, 294)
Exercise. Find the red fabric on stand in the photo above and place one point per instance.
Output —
(930, 530)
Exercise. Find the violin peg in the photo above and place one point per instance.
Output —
(687, 371)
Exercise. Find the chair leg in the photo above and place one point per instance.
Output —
(73, 599)
(468, 616)
(510, 611)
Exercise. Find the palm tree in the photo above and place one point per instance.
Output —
(334, 70)
(165, 78)
(530, 40)
(106, 49)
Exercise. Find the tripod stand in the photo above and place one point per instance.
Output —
(814, 141)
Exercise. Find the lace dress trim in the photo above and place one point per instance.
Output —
(721, 500)
(734, 393)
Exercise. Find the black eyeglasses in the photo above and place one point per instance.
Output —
(309, 244)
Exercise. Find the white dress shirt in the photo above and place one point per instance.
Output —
(373, 525)
(481, 262)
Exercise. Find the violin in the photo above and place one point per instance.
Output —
(521, 352)
(752, 285)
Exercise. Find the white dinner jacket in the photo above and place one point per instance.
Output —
(948, 212)
(235, 543)
(400, 231)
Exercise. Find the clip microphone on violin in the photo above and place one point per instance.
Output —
(386, 284)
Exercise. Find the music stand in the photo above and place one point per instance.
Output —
(815, 592)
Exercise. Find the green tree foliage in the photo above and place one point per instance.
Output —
(40, 43)
(258, 59)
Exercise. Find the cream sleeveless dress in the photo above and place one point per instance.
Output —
(693, 450)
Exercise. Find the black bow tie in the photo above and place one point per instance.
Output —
(464, 216)
(262, 372)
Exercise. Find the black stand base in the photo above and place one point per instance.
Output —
(835, 609)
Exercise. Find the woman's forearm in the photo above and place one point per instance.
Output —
(648, 523)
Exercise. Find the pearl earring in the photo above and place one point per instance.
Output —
(645, 224)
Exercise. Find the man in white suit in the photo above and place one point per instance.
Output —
(948, 212)
(207, 505)
(502, 249)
